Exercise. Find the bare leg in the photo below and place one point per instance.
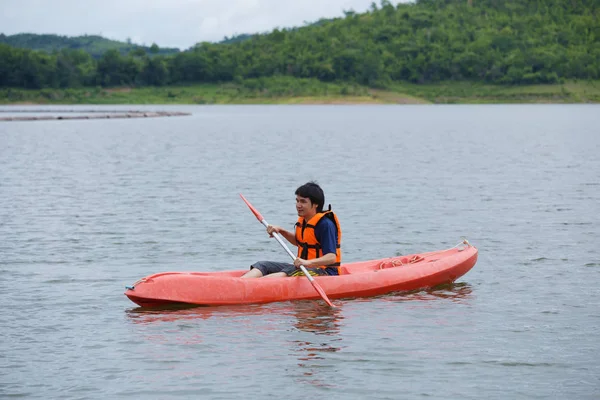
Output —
(276, 275)
(253, 273)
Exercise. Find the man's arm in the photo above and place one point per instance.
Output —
(289, 236)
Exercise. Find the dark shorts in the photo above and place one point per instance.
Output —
(270, 267)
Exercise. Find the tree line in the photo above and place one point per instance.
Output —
(493, 41)
(95, 45)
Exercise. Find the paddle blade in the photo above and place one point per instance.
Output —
(315, 285)
(321, 292)
(254, 210)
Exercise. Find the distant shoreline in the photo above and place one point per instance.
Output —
(572, 92)
(85, 114)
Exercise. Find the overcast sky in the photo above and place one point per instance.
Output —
(168, 23)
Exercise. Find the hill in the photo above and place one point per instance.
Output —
(500, 42)
(95, 45)
(236, 39)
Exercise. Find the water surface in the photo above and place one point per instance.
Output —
(87, 207)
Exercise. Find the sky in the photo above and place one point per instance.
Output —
(168, 23)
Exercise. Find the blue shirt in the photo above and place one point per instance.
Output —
(326, 234)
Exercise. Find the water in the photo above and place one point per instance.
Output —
(87, 207)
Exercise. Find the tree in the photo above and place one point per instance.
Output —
(155, 72)
(496, 41)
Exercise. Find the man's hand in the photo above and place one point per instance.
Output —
(289, 236)
(300, 261)
(274, 228)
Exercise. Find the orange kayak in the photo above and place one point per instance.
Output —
(358, 279)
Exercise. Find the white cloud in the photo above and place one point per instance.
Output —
(169, 23)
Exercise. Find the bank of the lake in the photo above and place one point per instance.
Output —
(273, 91)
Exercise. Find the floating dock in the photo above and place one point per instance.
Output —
(87, 114)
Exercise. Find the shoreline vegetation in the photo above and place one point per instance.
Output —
(421, 52)
(310, 91)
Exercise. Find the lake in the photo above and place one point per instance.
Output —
(88, 207)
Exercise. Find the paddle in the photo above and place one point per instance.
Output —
(276, 235)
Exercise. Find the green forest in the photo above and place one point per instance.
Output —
(495, 42)
(95, 45)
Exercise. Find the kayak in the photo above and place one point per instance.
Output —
(356, 279)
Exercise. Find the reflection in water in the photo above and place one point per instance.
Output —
(322, 323)
(310, 316)
(455, 292)
(325, 323)
(316, 317)
(171, 313)
(316, 332)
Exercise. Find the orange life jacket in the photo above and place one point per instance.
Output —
(308, 246)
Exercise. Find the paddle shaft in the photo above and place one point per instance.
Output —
(277, 237)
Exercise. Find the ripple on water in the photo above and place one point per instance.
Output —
(91, 206)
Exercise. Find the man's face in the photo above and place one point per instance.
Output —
(305, 207)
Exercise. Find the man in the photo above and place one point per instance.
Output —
(317, 235)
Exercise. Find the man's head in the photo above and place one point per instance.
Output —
(315, 196)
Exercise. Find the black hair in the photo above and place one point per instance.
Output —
(312, 191)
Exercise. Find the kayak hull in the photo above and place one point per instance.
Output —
(358, 279)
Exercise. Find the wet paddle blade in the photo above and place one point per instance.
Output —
(321, 292)
(317, 287)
